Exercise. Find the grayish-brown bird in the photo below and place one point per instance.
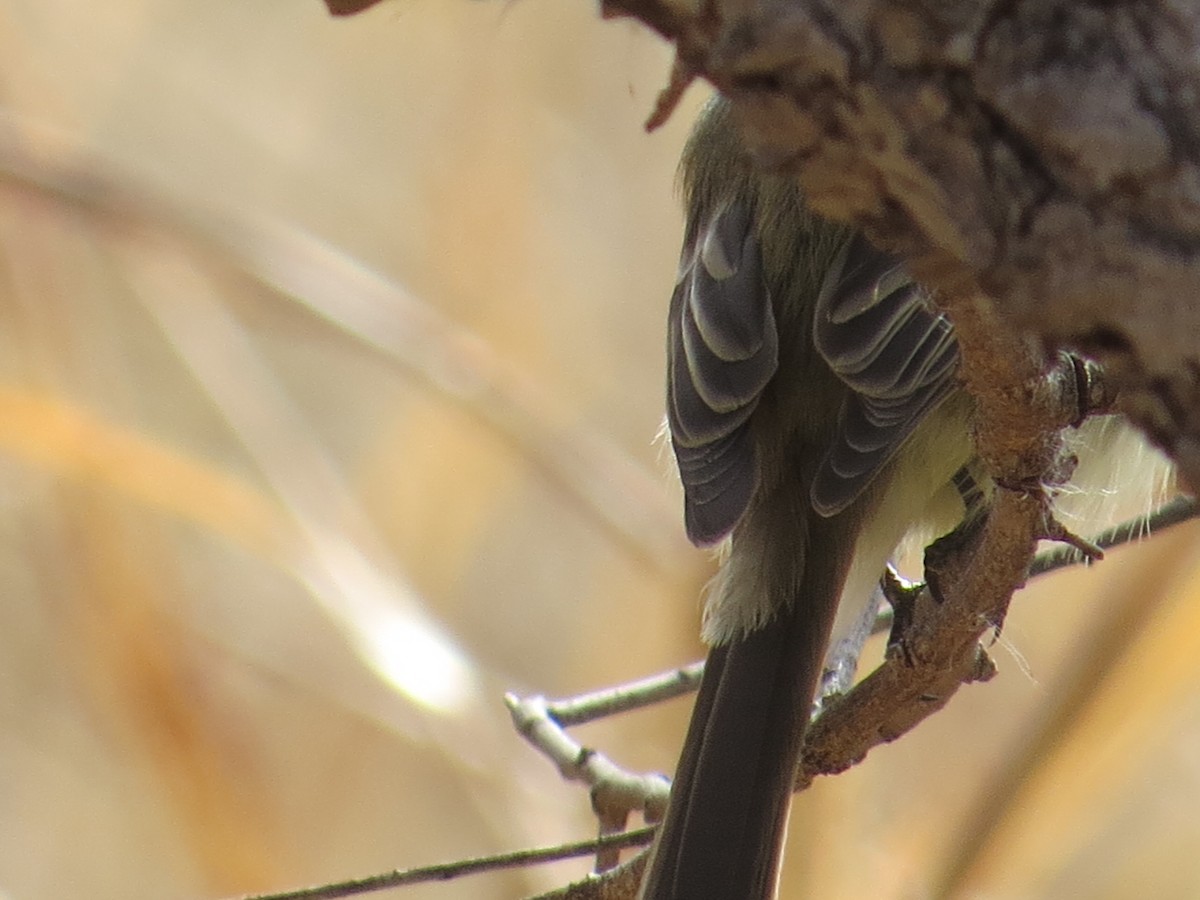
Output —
(816, 419)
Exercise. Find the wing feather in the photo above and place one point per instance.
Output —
(722, 350)
(881, 335)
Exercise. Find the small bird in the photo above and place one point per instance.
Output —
(816, 419)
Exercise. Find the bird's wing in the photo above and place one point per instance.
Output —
(722, 349)
(881, 335)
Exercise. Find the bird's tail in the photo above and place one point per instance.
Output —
(723, 833)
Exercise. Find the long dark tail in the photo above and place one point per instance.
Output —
(723, 833)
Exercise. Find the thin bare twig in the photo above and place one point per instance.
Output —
(841, 664)
(1181, 509)
(615, 791)
(620, 883)
(625, 697)
(447, 871)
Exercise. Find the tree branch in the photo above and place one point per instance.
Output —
(1046, 152)
(447, 871)
(615, 792)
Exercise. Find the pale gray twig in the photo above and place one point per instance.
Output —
(626, 697)
(615, 792)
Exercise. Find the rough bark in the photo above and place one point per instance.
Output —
(1046, 151)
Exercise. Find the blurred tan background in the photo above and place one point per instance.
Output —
(330, 370)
